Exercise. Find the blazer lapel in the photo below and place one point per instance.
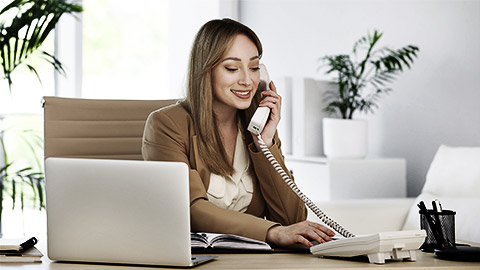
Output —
(199, 165)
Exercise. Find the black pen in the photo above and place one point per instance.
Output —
(439, 205)
(28, 244)
(438, 224)
(429, 219)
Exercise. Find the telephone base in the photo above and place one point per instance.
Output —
(395, 254)
(379, 247)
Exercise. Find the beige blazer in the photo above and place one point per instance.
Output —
(170, 136)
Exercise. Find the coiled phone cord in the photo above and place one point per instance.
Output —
(324, 218)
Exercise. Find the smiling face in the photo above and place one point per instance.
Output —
(236, 76)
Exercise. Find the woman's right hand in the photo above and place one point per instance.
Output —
(302, 232)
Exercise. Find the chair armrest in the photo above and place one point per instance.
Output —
(366, 216)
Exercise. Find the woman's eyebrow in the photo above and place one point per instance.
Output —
(239, 60)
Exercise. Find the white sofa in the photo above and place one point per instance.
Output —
(453, 178)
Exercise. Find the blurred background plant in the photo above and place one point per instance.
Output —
(27, 25)
(24, 26)
(21, 177)
(363, 76)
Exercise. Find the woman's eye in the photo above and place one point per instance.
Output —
(231, 69)
(255, 68)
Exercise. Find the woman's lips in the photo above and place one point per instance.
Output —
(242, 94)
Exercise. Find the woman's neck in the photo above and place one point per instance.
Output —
(226, 116)
(227, 127)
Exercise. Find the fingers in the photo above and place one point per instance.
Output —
(317, 235)
(272, 100)
(315, 231)
(272, 86)
(322, 228)
(271, 93)
(306, 230)
(321, 237)
(302, 240)
(302, 232)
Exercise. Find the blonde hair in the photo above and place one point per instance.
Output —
(211, 43)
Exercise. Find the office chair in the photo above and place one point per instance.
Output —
(95, 128)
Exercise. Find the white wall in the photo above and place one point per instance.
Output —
(433, 103)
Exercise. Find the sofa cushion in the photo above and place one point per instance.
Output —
(454, 172)
(454, 179)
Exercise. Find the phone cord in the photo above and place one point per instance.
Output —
(328, 221)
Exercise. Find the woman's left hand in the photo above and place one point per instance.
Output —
(301, 232)
(273, 101)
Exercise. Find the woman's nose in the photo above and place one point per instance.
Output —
(245, 78)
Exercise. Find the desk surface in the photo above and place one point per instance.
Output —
(267, 261)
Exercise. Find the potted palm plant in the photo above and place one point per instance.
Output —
(28, 24)
(21, 178)
(24, 26)
(362, 79)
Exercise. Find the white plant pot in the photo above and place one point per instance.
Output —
(345, 138)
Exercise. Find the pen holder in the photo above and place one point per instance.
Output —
(443, 234)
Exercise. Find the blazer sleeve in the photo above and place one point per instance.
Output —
(283, 205)
(163, 140)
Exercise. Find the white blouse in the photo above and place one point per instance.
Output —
(233, 192)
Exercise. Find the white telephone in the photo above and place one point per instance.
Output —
(261, 115)
(378, 247)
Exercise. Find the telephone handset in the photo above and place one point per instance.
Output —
(261, 115)
(257, 123)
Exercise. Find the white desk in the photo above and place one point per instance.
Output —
(424, 261)
(324, 179)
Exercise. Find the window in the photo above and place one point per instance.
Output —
(120, 49)
(125, 49)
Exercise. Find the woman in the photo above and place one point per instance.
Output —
(233, 187)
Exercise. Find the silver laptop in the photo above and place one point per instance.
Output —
(119, 211)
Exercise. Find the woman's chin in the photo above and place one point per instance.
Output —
(243, 107)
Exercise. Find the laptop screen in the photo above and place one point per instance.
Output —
(118, 211)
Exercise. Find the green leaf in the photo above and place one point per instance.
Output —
(373, 72)
(32, 69)
(4, 169)
(14, 192)
(13, 4)
(37, 18)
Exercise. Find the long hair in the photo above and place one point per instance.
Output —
(211, 43)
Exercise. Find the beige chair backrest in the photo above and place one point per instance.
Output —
(95, 128)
